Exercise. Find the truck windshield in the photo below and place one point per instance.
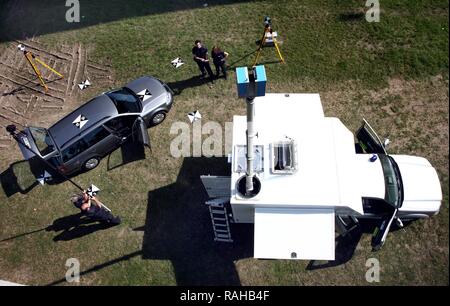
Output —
(43, 141)
(125, 101)
(393, 181)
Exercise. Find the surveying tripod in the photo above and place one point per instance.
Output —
(31, 58)
(269, 39)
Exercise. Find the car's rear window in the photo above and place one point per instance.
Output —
(74, 150)
(83, 144)
(42, 140)
(124, 101)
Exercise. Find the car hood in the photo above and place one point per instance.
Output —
(147, 89)
(421, 185)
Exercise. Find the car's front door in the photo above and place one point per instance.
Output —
(369, 140)
(100, 141)
(140, 132)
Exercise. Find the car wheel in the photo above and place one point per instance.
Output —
(91, 163)
(158, 118)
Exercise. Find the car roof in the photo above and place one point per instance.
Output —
(93, 111)
(154, 85)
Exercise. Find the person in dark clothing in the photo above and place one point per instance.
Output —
(94, 209)
(200, 54)
(219, 60)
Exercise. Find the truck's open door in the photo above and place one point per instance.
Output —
(369, 140)
(294, 233)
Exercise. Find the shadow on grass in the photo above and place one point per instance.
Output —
(75, 226)
(264, 50)
(234, 65)
(129, 152)
(178, 228)
(20, 177)
(23, 235)
(71, 227)
(31, 87)
(346, 244)
(344, 250)
(21, 19)
(351, 16)
(195, 81)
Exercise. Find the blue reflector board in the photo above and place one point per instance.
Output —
(242, 81)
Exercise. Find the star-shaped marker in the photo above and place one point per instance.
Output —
(177, 62)
(80, 121)
(84, 85)
(194, 116)
(144, 95)
(44, 178)
(93, 190)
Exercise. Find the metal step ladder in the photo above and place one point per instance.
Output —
(220, 220)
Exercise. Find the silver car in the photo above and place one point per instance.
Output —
(79, 140)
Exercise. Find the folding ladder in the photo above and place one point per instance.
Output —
(219, 219)
(219, 191)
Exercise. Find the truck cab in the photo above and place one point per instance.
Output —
(408, 183)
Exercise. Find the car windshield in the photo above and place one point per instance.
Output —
(125, 101)
(393, 181)
(43, 141)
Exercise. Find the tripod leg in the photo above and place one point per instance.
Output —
(29, 58)
(48, 67)
(257, 57)
(279, 52)
(261, 45)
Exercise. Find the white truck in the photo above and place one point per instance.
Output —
(308, 173)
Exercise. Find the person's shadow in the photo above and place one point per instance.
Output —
(195, 81)
(178, 228)
(75, 226)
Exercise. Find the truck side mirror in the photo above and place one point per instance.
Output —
(386, 142)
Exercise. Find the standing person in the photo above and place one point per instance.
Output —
(94, 209)
(200, 53)
(219, 60)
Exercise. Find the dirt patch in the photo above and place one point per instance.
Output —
(23, 101)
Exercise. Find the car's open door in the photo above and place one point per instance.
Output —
(140, 133)
(26, 144)
(369, 140)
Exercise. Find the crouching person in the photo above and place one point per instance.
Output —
(94, 209)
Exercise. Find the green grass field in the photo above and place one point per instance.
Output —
(394, 73)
